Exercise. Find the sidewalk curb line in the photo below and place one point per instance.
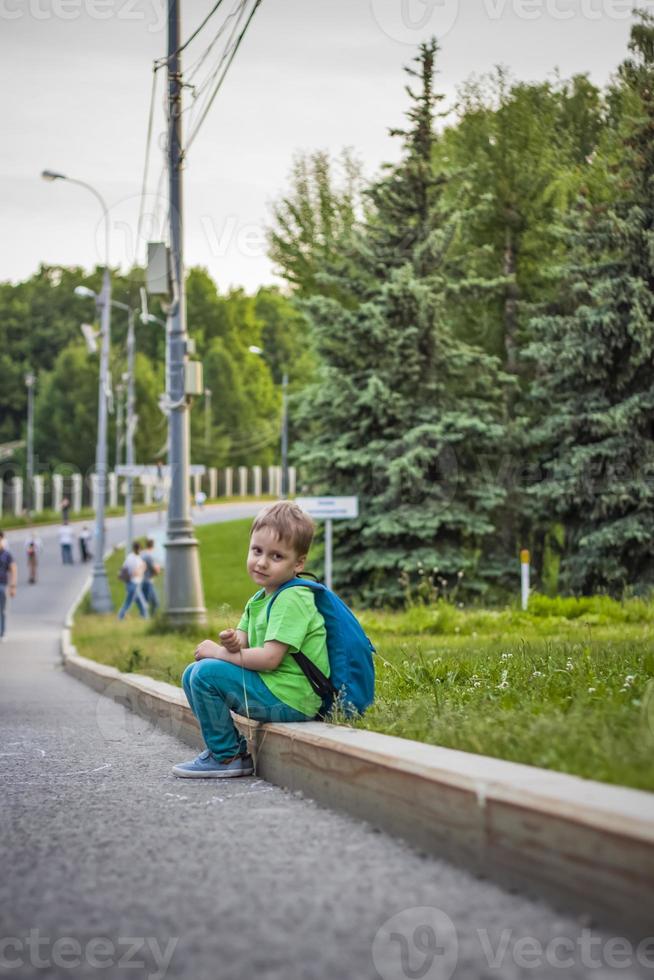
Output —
(587, 847)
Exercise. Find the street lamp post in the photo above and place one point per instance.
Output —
(207, 418)
(120, 391)
(100, 594)
(131, 425)
(131, 421)
(30, 381)
(184, 592)
(151, 318)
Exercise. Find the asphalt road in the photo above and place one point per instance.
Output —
(111, 867)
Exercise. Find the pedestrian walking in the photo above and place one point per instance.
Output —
(152, 568)
(84, 544)
(33, 547)
(66, 538)
(65, 507)
(8, 578)
(131, 573)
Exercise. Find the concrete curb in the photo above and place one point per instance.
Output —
(587, 847)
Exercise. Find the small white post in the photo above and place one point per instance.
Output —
(38, 495)
(524, 578)
(242, 481)
(292, 481)
(229, 481)
(57, 491)
(197, 483)
(278, 481)
(77, 493)
(256, 480)
(271, 481)
(213, 482)
(17, 487)
(113, 490)
(147, 493)
(329, 551)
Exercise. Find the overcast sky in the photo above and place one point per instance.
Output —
(309, 74)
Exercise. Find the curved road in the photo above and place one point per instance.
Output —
(113, 868)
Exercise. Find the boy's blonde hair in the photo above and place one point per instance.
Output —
(289, 522)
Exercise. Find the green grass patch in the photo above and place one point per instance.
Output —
(567, 685)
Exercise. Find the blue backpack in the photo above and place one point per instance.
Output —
(352, 680)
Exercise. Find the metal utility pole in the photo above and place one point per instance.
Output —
(30, 381)
(207, 418)
(184, 594)
(131, 425)
(120, 391)
(284, 436)
(100, 594)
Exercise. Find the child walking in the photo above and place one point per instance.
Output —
(252, 671)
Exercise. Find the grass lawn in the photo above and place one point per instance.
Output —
(569, 685)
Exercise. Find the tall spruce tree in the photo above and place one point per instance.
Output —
(595, 359)
(402, 412)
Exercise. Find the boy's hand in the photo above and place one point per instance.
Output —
(230, 641)
(208, 650)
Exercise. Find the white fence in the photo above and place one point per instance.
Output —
(48, 493)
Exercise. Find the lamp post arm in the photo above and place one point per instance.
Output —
(105, 211)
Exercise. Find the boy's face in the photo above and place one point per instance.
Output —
(271, 561)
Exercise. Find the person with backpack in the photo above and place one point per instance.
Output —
(254, 670)
(8, 579)
(33, 546)
(131, 573)
(84, 545)
(152, 568)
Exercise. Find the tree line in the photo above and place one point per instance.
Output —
(483, 317)
(238, 425)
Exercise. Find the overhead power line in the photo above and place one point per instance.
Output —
(220, 81)
(196, 107)
(192, 71)
(146, 165)
(164, 61)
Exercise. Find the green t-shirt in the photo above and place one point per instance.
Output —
(294, 620)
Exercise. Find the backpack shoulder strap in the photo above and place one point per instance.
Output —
(293, 583)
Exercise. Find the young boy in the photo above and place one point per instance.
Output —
(252, 670)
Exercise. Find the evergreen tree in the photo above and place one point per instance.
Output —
(402, 412)
(313, 223)
(595, 362)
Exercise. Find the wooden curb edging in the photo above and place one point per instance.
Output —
(587, 847)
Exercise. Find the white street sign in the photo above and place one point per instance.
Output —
(329, 508)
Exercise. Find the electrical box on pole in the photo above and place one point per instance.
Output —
(157, 275)
(193, 381)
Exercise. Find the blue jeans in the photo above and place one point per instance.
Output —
(133, 594)
(213, 687)
(67, 554)
(150, 595)
(3, 606)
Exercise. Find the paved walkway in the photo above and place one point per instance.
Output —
(113, 868)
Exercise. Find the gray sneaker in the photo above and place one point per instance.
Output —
(206, 767)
